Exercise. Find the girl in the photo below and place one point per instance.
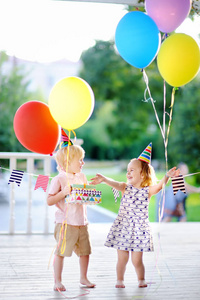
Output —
(71, 219)
(131, 230)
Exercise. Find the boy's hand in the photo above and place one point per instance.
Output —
(97, 179)
(67, 190)
(173, 172)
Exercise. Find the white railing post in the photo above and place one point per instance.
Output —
(12, 166)
(30, 158)
(30, 168)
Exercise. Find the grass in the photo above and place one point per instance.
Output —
(108, 202)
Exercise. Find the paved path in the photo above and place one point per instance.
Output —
(173, 271)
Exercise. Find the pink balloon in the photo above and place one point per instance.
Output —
(168, 14)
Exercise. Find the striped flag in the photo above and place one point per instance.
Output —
(16, 176)
(115, 193)
(42, 181)
(178, 184)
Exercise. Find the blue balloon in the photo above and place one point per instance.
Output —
(137, 39)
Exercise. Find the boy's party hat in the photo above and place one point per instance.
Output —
(146, 154)
(65, 141)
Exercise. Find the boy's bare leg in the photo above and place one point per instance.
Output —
(123, 257)
(137, 261)
(84, 262)
(58, 268)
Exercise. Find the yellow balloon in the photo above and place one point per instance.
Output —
(178, 59)
(71, 102)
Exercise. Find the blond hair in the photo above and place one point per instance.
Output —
(148, 172)
(66, 155)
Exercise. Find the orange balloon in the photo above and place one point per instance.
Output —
(35, 128)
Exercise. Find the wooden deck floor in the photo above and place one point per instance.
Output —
(173, 271)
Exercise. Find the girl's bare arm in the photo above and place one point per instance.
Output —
(154, 189)
(120, 186)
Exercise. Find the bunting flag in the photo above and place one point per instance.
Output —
(16, 176)
(115, 193)
(42, 181)
(178, 184)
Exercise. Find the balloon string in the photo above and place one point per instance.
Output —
(162, 129)
(67, 165)
(64, 225)
(152, 101)
(164, 125)
(170, 115)
(165, 140)
(161, 207)
(165, 35)
(191, 174)
(74, 135)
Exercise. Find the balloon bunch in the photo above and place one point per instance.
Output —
(37, 125)
(138, 40)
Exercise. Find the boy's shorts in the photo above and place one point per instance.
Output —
(76, 239)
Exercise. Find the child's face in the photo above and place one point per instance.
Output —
(133, 174)
(76, 165)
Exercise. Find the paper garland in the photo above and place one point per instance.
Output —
(16, 176)
(115, 193)
(178, 184)
(42, 181)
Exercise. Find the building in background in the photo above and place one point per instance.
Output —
(43, 76)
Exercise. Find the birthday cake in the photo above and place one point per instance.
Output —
(84, 194)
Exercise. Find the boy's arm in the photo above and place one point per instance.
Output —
(120, 186)
(154, 189)
(53, 199)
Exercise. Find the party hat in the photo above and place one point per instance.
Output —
(65, 141)
(146, 154)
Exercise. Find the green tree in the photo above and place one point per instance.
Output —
(13, 93)
(122, 124)
(184, 144)
(129, 123)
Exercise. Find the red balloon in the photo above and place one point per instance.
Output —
(35, 128)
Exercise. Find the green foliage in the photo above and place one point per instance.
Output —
(184, 143)
(13, 93)
(122, 123)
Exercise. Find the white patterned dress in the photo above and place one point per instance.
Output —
(131, 229)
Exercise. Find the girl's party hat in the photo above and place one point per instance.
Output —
(65, 141)
(146, 154)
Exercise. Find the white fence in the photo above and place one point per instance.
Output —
(24, 209)
(30, 159)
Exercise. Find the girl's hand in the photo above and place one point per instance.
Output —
(173, 172)
(97, 179)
